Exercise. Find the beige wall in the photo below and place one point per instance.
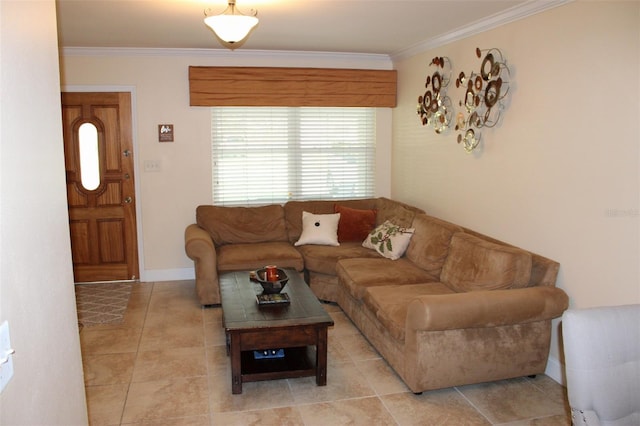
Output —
(36, 280)
(167, 199)
(559, 176)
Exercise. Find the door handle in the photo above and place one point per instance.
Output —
(126, 153)
(128, 200)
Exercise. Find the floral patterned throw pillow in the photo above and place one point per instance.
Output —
(390, 240)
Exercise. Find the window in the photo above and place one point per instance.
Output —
(264, 155)
(89, 156)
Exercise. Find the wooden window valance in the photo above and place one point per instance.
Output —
(270, 86)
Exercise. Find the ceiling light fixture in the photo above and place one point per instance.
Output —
(231, 26)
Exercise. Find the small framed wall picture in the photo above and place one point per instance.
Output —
(165, 132)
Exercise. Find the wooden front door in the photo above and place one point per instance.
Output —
(99, 164)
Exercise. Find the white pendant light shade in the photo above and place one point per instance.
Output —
(231, 26)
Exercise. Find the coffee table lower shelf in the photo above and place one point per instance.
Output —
(297, 362)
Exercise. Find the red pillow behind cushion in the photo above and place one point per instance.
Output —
(354, 224)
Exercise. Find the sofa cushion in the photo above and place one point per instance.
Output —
(230, 225)
(355, 224)
(399, 213)
(238, 257)
(356, 275)
(429, 245)
(390, 303)
(390, 240)
(323, 259)
(477, 264)
(319, 229)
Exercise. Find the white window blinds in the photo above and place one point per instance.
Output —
(264, 155)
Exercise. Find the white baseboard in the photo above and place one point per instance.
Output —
(151, 275)
(555, 370)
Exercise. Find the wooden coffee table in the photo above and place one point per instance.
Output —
(299, 328)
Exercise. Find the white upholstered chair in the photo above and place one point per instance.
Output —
(602, 357)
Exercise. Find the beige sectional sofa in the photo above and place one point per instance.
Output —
(457, 308)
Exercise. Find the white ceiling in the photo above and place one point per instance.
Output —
(358, 26)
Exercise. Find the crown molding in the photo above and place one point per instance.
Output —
(340, 59)
(515, 13)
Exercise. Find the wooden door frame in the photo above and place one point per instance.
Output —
(134, 140)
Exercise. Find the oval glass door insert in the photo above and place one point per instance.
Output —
(89, 156)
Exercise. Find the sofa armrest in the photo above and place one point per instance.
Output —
(198, 243)
(200, 248)
(488, 308)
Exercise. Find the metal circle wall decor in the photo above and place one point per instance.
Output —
(483, 99)
(434, 106)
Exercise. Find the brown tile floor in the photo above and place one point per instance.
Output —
(166, 364)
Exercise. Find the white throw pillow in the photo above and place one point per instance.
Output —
(390, 240)
(320, 229)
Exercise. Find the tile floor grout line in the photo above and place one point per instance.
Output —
(478, 410)
(384, 405)
(206, 363)
(135, 361)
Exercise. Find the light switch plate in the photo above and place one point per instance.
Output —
(152, 165)
(6, 356)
